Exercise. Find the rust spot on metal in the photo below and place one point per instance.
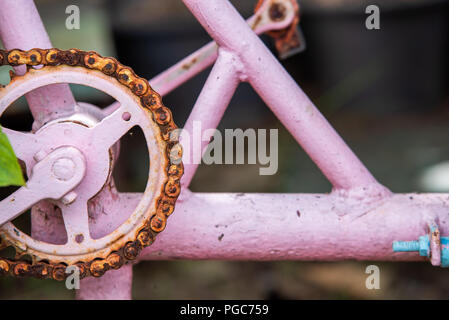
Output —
(288, 38)
(115, 261)
(157, 223)
(21, 269)
(256, 22)
(79, 238)
(436, 237)
(4, 266)
(173, 188)
(175, 170)
(99, 267)
(132, 250)
(277, 11)
(70, 57)
(145, 238)
(83, 271)
(139, 87)
(59, 272)
(165, 207)
(41, 271)
(188, 65)
(52, 56)
(163, 115)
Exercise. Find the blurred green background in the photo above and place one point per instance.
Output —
(385, 92)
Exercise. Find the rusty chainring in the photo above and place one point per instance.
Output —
(150, 101)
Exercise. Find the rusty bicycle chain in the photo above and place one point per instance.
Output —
(149, 99)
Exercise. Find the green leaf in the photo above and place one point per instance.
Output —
(10, 171)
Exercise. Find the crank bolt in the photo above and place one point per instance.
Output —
(64, 169)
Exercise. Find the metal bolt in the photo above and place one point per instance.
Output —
(405, 246)
(69, 198)
(39, 155)
(422, 246)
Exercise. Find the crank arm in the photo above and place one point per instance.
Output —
(53, 177)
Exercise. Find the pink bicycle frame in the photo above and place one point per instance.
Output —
(359, 219)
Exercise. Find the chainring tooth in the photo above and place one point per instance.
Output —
(162, 116)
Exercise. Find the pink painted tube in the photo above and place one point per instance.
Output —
(113, 285)
(210, 106)
(185, 69)
(294, 227)
(286, 99)
(21, 28)
(205, 56)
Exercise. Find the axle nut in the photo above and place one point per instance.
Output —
(64, 169)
